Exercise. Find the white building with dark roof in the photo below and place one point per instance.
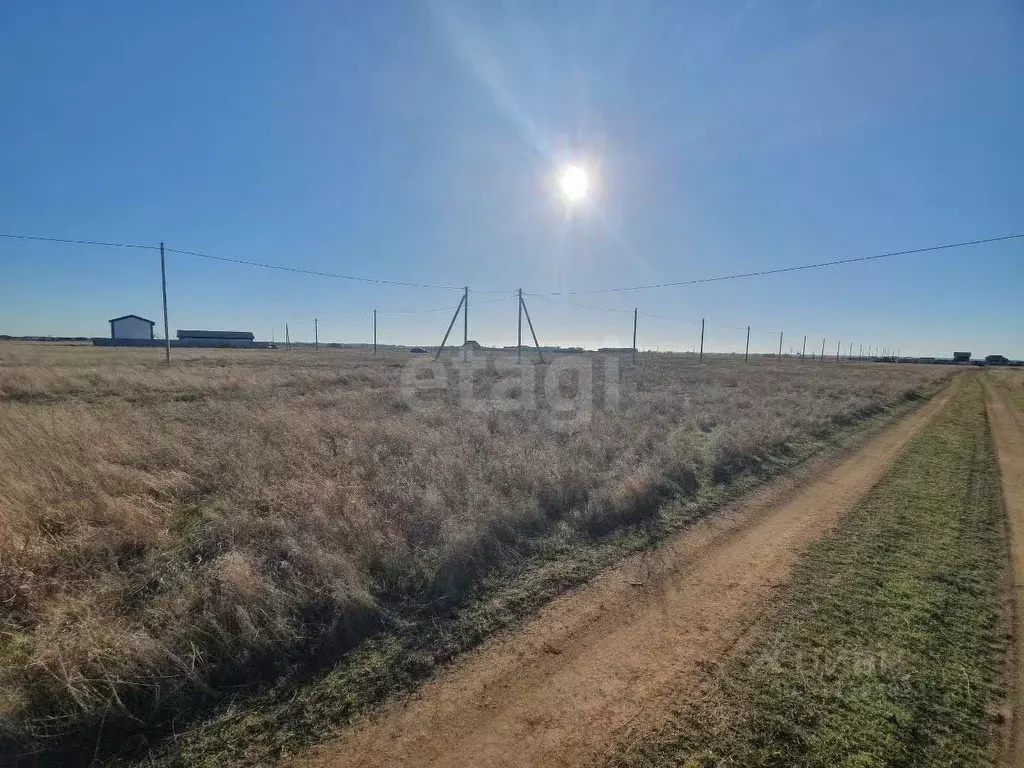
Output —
(131, 327)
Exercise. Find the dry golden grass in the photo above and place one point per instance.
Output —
(163, 529)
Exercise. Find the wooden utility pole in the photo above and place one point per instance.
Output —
(450, 326)
(849, 355)
(519, 332)
(375, 331)
(746, 351)
(636, 311)
(803, 350)
(838, 343)
(287, 337)
(316, 334)
(780, 346)
(465, 324)
(529, 322)
(823, 349)
(163, 288)
(700, 358)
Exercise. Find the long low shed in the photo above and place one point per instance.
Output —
(216, 338)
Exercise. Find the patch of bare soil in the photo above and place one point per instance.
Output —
(611, 655)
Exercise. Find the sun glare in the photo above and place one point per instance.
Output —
(575, 183)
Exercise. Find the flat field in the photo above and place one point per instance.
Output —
(168, 529)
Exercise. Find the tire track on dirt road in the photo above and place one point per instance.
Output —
(614, 653)
(1007, 425)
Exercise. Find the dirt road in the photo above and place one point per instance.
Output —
(1007, 426)
(557, 691)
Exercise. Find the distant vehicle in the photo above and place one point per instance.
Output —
(418, 351)
(996, 360)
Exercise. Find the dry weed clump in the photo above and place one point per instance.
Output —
(167, 529)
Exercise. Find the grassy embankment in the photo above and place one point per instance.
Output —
(888, 646)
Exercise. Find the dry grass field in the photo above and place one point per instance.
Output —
(167, 529)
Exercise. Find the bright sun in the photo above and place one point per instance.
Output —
(574, 183)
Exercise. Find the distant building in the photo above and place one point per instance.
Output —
(215, 339)
(996, 360)
(131, 327)
(961, 357)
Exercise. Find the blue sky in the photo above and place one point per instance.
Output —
(417, 141)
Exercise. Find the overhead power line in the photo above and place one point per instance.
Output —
(547, 297)
(443, 309)
(781, 270)
(668, 284)
(262, 265)
(315, 272)
(80, 242)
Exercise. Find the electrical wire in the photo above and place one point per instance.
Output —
(670, 319)
(547, 297)
(781, 270)
(262, 265)
(314, 272)
(448, 308)
(80, 242)
(669, 284)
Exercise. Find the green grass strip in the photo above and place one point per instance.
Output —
(888, 646)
